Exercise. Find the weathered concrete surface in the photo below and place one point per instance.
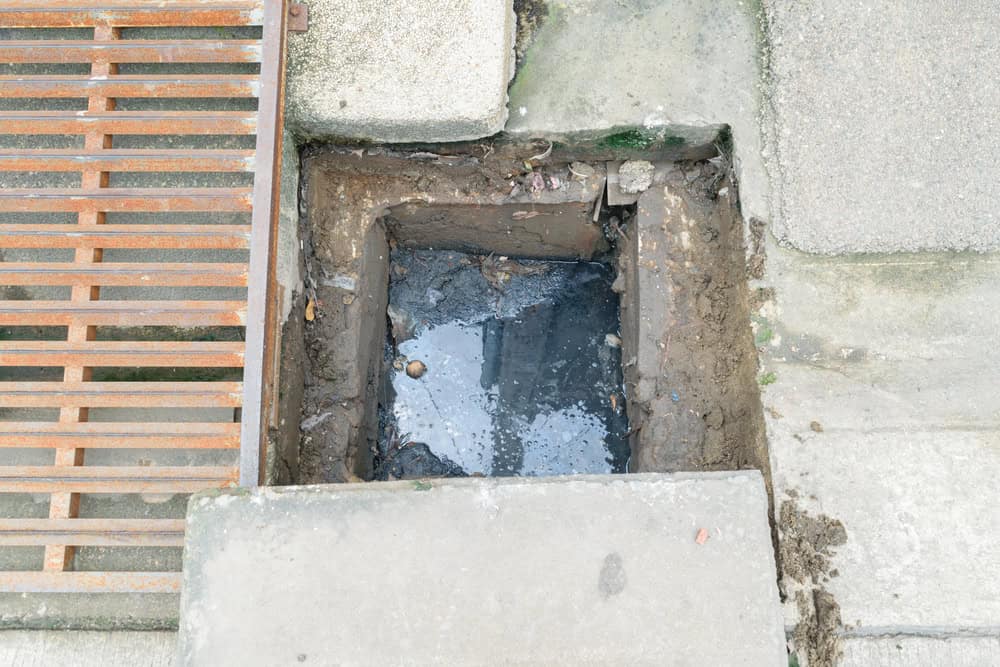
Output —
(547, 571)
(880, 122)
(920, 652)
(883, 416)
(43, 648)
(401, 70)
(677, 71)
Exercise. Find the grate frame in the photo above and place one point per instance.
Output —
(83, 311)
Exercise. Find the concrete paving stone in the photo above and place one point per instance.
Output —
(679, 68)
(884, 416)
(401, 70)
(879, 125)
(920, 652)
(546, 570)
(907, 307)
(44, 648)
(921, 550)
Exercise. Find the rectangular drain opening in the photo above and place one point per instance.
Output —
(500, 366)
(556, 321)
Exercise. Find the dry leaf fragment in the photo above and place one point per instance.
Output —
(702, 536)
(544, 154)
(311, 310)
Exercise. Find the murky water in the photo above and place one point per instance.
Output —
(523, 374)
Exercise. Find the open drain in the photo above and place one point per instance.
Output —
(499, 366)
(485, 316)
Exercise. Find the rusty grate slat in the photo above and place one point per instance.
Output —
(136, 308)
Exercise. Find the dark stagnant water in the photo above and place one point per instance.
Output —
(523, 368)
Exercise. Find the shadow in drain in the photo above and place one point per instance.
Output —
(500, 367)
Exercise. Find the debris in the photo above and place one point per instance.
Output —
(554, 182)
(524, 215)
(635, 176)
(599, 202)
(402, 322)
(537, 182)
(614, 402)
(613, 340)
(498, 270)
(416, 368)
(702, 536)
(816, 426)
(675, 397)
(541, 156)
(616, 226)
(581, 171)
(311, 310)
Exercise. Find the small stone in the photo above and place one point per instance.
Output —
(416, 368)
(635, 176)
(612, 340)
(816, 427)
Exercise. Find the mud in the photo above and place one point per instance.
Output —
(807, 543)
(817, 634)
(517, 375)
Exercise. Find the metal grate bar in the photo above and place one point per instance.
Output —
(76, 293)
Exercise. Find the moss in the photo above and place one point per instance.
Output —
(768, 378)
(635, 139)
(422, 486)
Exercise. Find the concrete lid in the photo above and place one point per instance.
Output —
(563, 570)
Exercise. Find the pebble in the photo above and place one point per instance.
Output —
(416, 368)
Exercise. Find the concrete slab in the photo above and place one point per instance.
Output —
(547, 570)
(920, 652)
(401, 70)
(883, 418)
(878, 125)
(920, 549)
(26, 648)
(673, 71)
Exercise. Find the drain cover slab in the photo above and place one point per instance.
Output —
(637, 569)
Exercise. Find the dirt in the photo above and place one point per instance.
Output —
(695, 401)
(816, 635)
(807, 543)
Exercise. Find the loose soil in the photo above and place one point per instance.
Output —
(806, 546)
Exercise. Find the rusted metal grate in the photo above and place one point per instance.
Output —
(137, 222)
